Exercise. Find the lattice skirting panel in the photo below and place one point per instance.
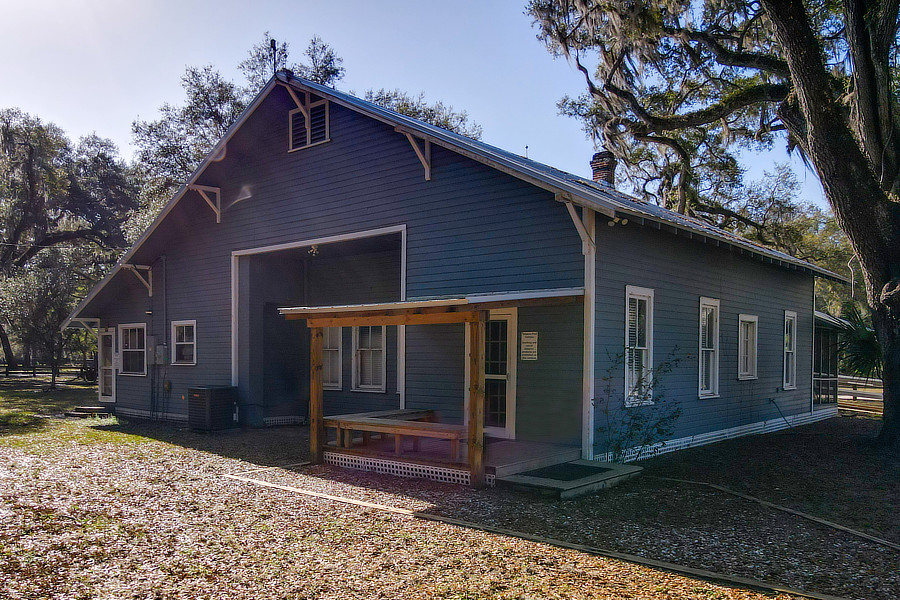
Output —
(288, 420)
(401, 469)
(146, 414)
(725, 434)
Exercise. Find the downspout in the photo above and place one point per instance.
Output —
(586, 226)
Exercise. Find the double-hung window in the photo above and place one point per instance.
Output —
(709, 347)
(369, 358)
(638, 345)
(332, 359)
(747, 340)
(133, 348)
(790, 350)
(184, 342)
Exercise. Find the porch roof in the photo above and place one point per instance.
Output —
(438, 310)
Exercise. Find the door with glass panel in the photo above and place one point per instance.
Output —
(500, 374)
(106, 371)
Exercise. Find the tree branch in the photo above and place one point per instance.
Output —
(54, 239)
(766, 92)
(730, 58)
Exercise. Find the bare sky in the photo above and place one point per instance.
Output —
(96, 65)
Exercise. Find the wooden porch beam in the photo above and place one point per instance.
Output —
(314, 315)
(476, 400)
(407, 319)
(316, 423)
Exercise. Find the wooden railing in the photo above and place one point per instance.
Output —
(860, 394)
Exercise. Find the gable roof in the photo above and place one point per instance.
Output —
(567, 186)
(585, 192)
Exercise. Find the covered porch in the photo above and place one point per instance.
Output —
(415, 442)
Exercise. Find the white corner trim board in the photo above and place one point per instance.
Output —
(711, 437)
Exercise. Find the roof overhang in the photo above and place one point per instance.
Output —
(427, 312)
(824, 318)
(610, 203)
(214, 154)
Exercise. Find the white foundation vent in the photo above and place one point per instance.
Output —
(401, 469)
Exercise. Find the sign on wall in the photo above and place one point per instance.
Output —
(529, 345)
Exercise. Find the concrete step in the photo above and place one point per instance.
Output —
(555, 456)
(571, 479)
(82, 414)
(92, 409)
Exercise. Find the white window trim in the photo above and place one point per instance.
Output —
(192, 323)
(714, 392)
(122, 354)
(742, 318)
(786, 385)
(112, 361)
(308, 108)
(356, 387)
(633, 291)
(340, 375)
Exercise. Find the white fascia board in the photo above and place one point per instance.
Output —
(214, 153)
(524, 295)
(436, 136)
(584, 197)
(438, 302)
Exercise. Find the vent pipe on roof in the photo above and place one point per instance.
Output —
(603, 166)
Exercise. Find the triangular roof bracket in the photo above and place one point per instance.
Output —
(147, 281)
(424, 154)
(213, 197)
(296, 100)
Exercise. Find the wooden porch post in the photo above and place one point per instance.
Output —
(316, 431)
(476, 399)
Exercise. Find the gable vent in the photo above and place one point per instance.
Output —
(298, 129)
(318, 119)
(303, 134)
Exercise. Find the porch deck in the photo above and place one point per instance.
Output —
(501, 457)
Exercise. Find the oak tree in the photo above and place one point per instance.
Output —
(678, 88)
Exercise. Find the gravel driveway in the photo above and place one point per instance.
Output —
(123, 512)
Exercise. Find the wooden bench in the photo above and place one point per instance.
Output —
(404, 426)
(337, 422)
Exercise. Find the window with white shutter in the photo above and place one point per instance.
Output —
(709, 347)
(638, 345)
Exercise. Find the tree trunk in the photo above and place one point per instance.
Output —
(887, 329)
(861, 207)
(7, 351)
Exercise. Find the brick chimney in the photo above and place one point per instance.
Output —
(603, 165)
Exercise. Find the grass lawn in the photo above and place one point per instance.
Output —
(112, 509)
(25, 401)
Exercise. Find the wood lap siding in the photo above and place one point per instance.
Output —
(469, 230)
(548, 390)
(680, 271)
(435, 369)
